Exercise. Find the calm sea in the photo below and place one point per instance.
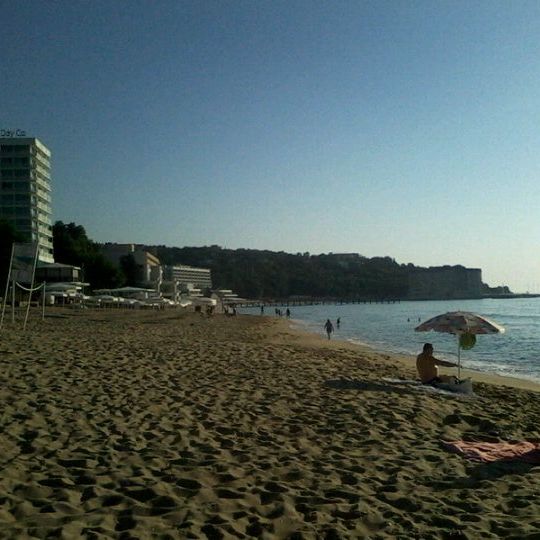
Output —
(390, 327)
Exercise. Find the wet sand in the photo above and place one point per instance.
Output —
(171, 425)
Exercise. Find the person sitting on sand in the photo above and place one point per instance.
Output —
(428, 367)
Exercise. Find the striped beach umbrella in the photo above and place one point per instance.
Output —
(460, 323)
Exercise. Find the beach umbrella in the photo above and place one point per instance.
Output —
(461, 323)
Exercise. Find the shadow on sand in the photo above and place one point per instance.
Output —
(482, 472)
(368, 386)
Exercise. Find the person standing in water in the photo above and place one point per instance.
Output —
(338, 322)
(328, 327)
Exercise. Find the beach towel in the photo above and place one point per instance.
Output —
(488, 452)
(428, 388)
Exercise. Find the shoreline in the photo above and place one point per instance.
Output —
(410, 361)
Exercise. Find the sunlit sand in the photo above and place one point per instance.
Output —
(155, 423)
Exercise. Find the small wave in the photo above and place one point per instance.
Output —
(359, 342)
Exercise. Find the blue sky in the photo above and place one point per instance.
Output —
(407, 129)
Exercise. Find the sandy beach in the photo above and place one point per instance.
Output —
(169, 425)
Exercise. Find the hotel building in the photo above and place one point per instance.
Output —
(188, 276)
(25, 191)
(149, 271)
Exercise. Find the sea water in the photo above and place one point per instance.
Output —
(390, 327)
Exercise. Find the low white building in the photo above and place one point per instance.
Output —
(57, 272)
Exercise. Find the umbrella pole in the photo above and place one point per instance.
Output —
(458, 358)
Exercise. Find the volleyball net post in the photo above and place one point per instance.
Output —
(22, 269)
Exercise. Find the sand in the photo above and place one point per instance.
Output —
(170, 425)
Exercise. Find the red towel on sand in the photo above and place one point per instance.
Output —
(487, 452)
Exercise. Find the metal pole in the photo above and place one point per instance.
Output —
(7, 285)
(31, 286)
(43, 306)
(458, 358)
(13, 300)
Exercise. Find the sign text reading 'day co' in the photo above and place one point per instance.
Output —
(12, 133)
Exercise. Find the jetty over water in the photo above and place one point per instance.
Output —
(292, 302)
(313, 301)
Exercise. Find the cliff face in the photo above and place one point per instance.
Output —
(445, 283)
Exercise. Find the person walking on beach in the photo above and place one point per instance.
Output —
(288, 313)
(428, 367)
(328, 327)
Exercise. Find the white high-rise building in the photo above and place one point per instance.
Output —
(188, 276)
(25, 191)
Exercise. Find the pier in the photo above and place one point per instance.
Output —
(295, 302)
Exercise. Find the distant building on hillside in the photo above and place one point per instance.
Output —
(25, 191)
(445, 282)
(114, 252)
(149, 271)
(346, 256)
(346, 259)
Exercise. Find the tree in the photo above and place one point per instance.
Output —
(72, 246)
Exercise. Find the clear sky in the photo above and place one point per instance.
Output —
(400, 128)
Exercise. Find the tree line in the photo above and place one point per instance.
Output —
(266, 274)
(251, 273)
